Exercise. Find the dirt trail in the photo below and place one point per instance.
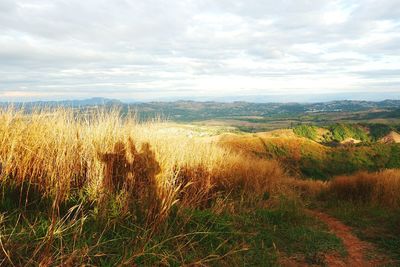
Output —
(357, 250)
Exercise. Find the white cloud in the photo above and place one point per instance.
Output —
(153, 49)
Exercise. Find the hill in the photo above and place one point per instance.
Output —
(318, 158)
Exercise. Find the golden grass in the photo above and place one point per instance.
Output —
(60, 153)
(262, 144)
(306, 188)
(248, 144)
(380, 188)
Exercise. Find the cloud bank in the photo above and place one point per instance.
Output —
(154, 49)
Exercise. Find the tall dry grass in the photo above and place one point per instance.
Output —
(100, 154)
(379, 188)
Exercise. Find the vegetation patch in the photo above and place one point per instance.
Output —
(307, 131)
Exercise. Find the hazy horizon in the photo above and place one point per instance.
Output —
(375, 97)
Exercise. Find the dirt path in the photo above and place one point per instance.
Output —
(357, 250)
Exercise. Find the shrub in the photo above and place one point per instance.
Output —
(307, 131)
(378, 130)
(342, 131)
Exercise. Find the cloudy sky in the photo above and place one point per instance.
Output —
(154, 49)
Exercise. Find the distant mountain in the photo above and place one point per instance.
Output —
(301, 98)
(94, 101)
(350, 105)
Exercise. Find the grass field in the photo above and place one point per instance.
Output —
(100, 189)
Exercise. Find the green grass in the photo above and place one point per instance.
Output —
(290, 231)
(83, 235)
(377, 225)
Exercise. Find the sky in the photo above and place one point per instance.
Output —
(198, 49)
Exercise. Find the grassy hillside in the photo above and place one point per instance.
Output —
(321, 153)
(100, 189)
